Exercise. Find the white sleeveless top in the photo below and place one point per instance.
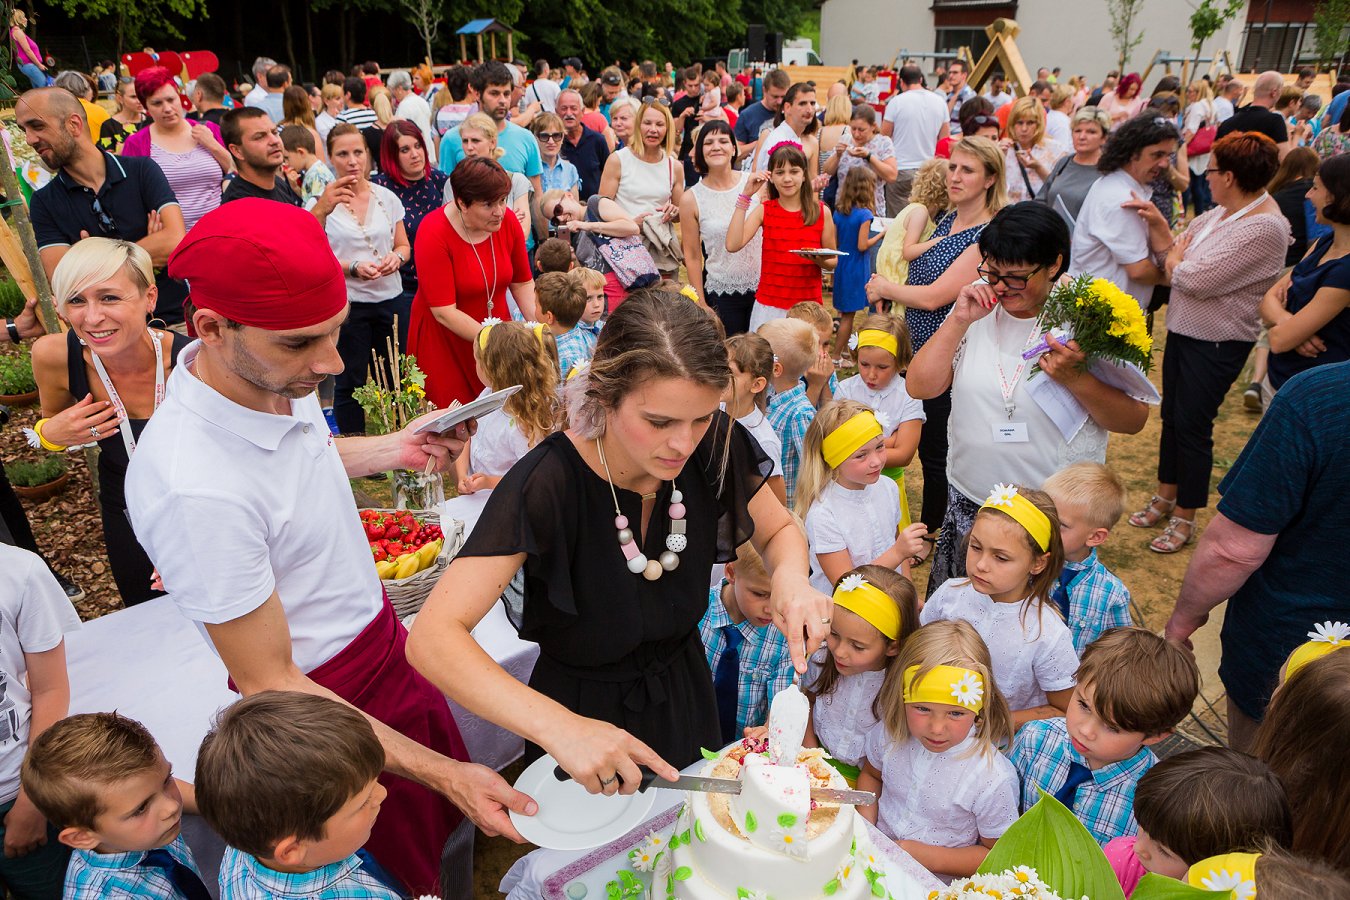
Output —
(643, 186)
(725, 273)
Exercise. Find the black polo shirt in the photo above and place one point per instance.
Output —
(133, 186)
(1256, 118)
(281, 192)
(589, 155)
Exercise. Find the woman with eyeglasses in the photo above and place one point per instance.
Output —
(999, 432)
(129, 118)
(1074, 175)
(559, 174)
(598, 215)
(1028, 152)
(1219, 268)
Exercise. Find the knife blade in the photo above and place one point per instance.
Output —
(707, 785)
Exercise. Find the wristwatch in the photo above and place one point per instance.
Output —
(13, 331)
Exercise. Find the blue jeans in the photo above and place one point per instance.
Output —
(1198, 193)
(36, 77)
(40, 874)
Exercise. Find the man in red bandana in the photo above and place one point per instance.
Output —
(241, 497)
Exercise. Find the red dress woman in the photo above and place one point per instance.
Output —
(468, 255)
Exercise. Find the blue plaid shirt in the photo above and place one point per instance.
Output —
(244, 878)
(1105, 805)
(574, 346)
(592, 329)
(1098, 601)
(790, 413)
(766, 666)
(120, 876)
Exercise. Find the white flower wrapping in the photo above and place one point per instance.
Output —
(1019, 882)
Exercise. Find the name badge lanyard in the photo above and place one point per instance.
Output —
(124, 421)
(1217, 222)
(1007, 387)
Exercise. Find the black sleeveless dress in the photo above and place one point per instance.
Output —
(131, 568)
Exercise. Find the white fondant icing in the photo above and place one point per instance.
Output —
(788, 715)
(772, 808)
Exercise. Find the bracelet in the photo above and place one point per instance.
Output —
(46, 444)
(746, 197)
(351, 270)
(13, 331)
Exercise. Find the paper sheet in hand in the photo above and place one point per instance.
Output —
(1063, 408)
(477, 409)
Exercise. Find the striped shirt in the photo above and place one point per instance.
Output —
(120, 876)
(360, 116)
(1105, 804)
(790, 414)
(242, 877)
(195, 177)
(765, 665)
(1098, 601)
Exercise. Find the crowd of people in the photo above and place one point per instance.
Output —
(649, 254)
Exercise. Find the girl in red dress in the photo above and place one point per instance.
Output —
(793, 219)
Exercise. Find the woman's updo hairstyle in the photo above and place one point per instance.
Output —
(653, 334)
(1335, 175)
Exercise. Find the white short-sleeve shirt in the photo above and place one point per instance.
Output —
(916, 118)
(497, 445)
(892, 403)
(368, 241)
(232, 504)
(842, 718)
(35, 615)
(1032, 651)
(862, 522)
(782, 132)
(1107, 238)
(757, 423)
(948, 799)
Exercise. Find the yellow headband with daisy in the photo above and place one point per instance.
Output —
(845, 440)
(1006, 499)
(488, 323)
(1326, 637)
(951, 685)
(876, 607)
(1232, 872)
(875, 337)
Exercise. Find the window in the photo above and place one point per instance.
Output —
(949, 40)
(1280, 46)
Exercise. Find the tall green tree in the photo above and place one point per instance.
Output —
(130, 19)
(1330, 37)
(1124, 14)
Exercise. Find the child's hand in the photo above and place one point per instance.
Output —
(476, 481)
(910, 541)
(756, 732)
(25, 828)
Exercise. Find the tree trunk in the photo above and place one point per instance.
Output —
(286, 32)
(23, 227)
(344, 56)
(309, 46)
(121, 32)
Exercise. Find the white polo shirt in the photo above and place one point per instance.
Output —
(1107, 238)
(916, 117)
(232, 504)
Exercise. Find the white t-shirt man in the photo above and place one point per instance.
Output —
(1107, 238)
(779, 135)
(418, 111)
(35, 615)
(544, 90)
(916, 118)
(254, 96)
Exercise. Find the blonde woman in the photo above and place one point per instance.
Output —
(1028, 152)
(647, 180)
(838, 111)
(1058, 113)
(1200, 119)
(101, 381)
(478, 134)
(332, 105)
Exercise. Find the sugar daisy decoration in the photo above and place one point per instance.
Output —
(1019, 882)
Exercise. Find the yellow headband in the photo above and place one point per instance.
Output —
(1233, 872)
(1326, 637)
(872, 337)
(876, 607)
(951, 685)
(688, 291)
(845, 440)
(1005, 498)
(483, 331)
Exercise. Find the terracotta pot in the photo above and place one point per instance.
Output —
(27, 399)
(43, 492)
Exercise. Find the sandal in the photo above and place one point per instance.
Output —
(1151, 515)
(1172, 539)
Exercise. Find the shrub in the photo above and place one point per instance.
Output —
(16, 372)
(12, 299)
(26, 473)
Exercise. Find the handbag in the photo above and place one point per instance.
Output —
(1202, 140)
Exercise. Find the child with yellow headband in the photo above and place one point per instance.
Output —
(508, 353)
(1271, 874)
(853, 516)
(945, 791)
(875, 611)
(1013, 559)
(883, 351)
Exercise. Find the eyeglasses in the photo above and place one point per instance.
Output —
(550, 136)
(1014, 282)
(105, 222)
(1213, 171)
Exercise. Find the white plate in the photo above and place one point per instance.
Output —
(819, 251)
(477, 409)
(569, 818)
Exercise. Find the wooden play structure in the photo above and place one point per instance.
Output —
(1165, 58)
(1002, 53)
(490, 27)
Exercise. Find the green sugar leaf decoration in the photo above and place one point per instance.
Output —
(787, 820)
(750, 823)
(698, 832)
(831, 887)
(682, 873)
(708, 754)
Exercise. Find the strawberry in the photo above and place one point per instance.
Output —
(392, 531)
(373, 531)
(380, 555)
(395, 548)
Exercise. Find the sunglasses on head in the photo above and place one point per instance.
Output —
(981, 121)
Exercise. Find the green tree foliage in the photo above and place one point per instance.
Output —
(130, 19)
(1123, 36)
(1330, 36)
(1206, 21)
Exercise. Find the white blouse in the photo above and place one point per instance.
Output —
(864, 523)
(892, 403)
(1032, 652)
(497, 445)
(843, 717)
(368, 241)
(948, 799)
(757, 423)
(726, 273)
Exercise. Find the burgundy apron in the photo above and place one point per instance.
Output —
(373, 674)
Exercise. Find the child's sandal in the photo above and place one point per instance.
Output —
(1176, 535)
(1153, 513)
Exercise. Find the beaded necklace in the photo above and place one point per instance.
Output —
(676, 541)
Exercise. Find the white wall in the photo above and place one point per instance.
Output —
(1074, 35)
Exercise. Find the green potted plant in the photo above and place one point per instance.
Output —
(17, 385)
(12, 300)
(40, 480)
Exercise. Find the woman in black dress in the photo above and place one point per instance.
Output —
(622, 679)
(101, 381)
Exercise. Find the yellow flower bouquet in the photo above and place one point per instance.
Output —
(1106, 322)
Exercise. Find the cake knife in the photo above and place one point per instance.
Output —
(705, 784)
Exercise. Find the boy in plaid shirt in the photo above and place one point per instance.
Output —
(289, 781)
(1090, 500)
(562, 300)
(790, 410)
(1133, 688)
(747, 654)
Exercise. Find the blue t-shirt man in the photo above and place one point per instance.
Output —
(1291, 480)
(1336, 109)
(751, 120)
(520, 151)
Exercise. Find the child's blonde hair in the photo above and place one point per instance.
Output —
(794, 344)
(858, 191)
(753, 356)
(930, 185)
(791, 155)
(514, 353)
(947, 643)
(898, 588)
(1041, 584)
(589, 279)
(1091, 488)
(894, 326)
(748, 563)
(814, 314)
(814, 473)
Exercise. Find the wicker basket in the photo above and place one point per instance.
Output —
(408, 594)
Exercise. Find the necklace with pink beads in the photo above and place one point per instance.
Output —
(677, 540)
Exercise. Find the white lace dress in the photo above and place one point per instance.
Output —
(725, 273)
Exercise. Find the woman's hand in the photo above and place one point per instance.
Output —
(802, 610)
(1177, 253)
(78, 424)
(25, 828)
(604, 759)
(368, 271)
(877, 288)
(1063, 362)
(1312, 348)
(973, 303)
(391, 263)
(818, 183)
(574, 225)
(857, 151)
